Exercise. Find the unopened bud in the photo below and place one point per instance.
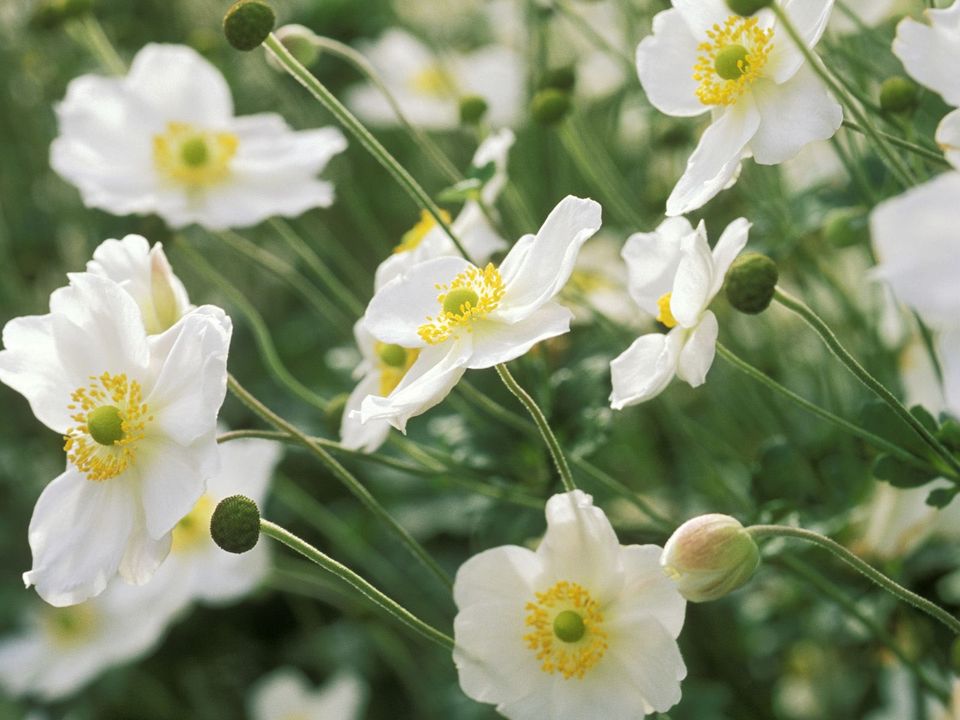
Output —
(750, 283)
(248, 23)
(550, 106)
(898, 95)
(748, 7)
(561, 78)
(300, 41)
(710, 556)
(472, 109)
(235, 525)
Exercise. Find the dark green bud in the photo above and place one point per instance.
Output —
(472, 109)
(235, 525)
(301, 42)
(750, 283)
(748, 7)
(898, 95)
(561, 78)
(248, 23)
(550, 106)
(845, 227)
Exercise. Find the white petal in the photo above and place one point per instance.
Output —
(78, 535)
(793, 114)
(497, 342)
(342, 697)
(696, 355)
(948, 137)
(533, 277)
(144, 554)
(505, 574)
(497, 74)
(717, 157)
(652, 660)
(495, 148)
(731, 242)
(281, 694)
(645, 368)
(702, 15)
(809, 17)
(648, 592)
(173, 478)
(354, 434)
(478, 236)
(665, 62)
(246, 468)
(931, 53)
(652, 260)
(694, 279)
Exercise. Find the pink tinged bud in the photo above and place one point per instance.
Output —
(710, 556)
(163, 293)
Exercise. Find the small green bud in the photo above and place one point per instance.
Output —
(235, 525)
(561, 78)
(846, 227)
(746, 8)
(550, 106)
(898, 95)
(248, 23)
(458, 298)
(105, 424)
(568, 626)
(750, 283)
(731, 62)
(300, 41)
(472, 109)
(710, 556)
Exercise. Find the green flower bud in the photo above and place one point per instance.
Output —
(750, 283)
(898, 95)
(845, 227)
(300, 41)
(235, 525)
(561, 78)
(550, 106)
(748, 7)
(248, 23)
(710, 556)
(472, 109)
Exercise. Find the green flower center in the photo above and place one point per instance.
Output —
(568, 626)
(393, 355)
(105, 424)
(460, 299)
(194, 152)
(731, 62)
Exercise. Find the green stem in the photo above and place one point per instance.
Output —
(662, 522)
(556, 452)
(578, 21)
(833, 344)
(89, 32)
(905, 144)
(933, 610)
(387, 603)
(357, 129)
(495, 409)
(342, 474)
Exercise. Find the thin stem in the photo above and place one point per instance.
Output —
(357, 129)
(933, 610)
(875, 440)
(833, 344)
(342, 474)
(89, 32)
(387, 603)
(556, 452)
(495, 409)
(662, 522)
(905, 144)
(578, 21)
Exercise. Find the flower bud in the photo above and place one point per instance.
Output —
(561, 78)
(550, 106)
(898, 95)
(710, 556)
(845, 227)
(248, 23)
(750, 283)
(235, 525)
(746, 8)
(300, 42)
(472, 109)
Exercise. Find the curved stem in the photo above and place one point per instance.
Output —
(864, 568)
(397, 610)
(841, 353)
(905, 144)
(364, 136)
(342, 474)
(556, 452)
(663, 523)
(89, 31)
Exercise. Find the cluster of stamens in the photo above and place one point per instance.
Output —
(470, 296)
(193, 157)
(731, 59)
(111, 418)
(414, 236)
(665, 314)
(566, 630)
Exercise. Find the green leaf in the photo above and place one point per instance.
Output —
(901, 474)
(464, 190)
(941, 497)
(484, 173)
(877, 417)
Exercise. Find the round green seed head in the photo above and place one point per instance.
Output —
(105, 424)
(550, 106)
(561, 78)
(746, 8)
(248, 23)
(730, 60)
(898, 95)
(569, 627)
(194, 152)
(457, 299)
(750, 283)
(845, 227)
(472, 109)
(235, 525)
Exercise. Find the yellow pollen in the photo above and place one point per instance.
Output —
(433, 80)
(96, 460)
(486, 285)
(392, 371)
(193, 531)
(732, 58)
(415, 235)
(571, 658)
(197, 158)
(665, 315)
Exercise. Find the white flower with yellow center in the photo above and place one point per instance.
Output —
(138, 415)
(674, 276)
(460, 316)
(287, 695)
(164, 140)
(748, 73)
(582, 628)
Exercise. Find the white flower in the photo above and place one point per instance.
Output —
(139, 417)
(286, 694)
(673, 276)
(164, 140)
(481, 316)
(581, 628)
(429, 88)
(599, 282)
(749, 74)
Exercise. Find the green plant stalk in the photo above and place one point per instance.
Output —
(364, 136)
(343, 475)
(893, 161)
(579, 22)
(759, 532)
(385, 602)
(496, 410)
(662, 522)
(905, 144)
(833, 344)
(556, 452)
(89, 32)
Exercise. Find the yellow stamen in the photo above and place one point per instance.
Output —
(732, 58)
(99, 460)
(391, 366)
(566, 630)
(433, 80)
(665, 315)
(415, 235)
(197, 158)
(473, 294)
(193, 531)
(68, 626)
